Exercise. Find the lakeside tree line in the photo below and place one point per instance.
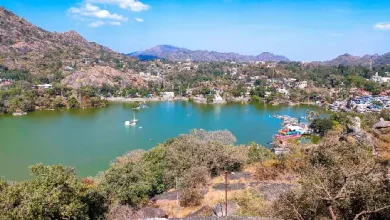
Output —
(23, 95)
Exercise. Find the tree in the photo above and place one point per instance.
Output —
(129, 180)
(341, 179)
(73, 103)
(321, 125)
(52, 193)
(255, 98)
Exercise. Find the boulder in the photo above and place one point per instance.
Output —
(354, 127)
(150, 212)
(205, 211)
(381, 124)
(219, 209)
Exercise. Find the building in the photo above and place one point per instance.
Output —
(168, 95)
(44, 86)
(301, 85)
(283, 91)
(379, 79)
(218, 98)
(69, 68)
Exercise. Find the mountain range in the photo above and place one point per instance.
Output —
(26, 46)
(348, 59)
(173, 53)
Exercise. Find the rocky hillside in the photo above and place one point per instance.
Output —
(348, 59)
(26, 46)
(180, 54)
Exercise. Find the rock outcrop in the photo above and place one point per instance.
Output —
(381, 124)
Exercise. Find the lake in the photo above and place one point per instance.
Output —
(88, 139)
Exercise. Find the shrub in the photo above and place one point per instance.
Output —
(190, 197)
(258, 153)
(52, 193)
(73, 103)
(321, 125)
(128, 180)
(250, 203)
(267, 170)
(342, 179)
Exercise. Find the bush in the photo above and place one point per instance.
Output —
(52, 193)
(268, 170)
(250, 203)
(73, 103)
(190, 197)
(321, 125)
(255, 98)
(339, 178)
(128, 181)
(259, 153)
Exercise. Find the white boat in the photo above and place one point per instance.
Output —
(132, 122)
(129, 123)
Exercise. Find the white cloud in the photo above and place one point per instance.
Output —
(382, 26)
(89, 10)
(133, 5)
(96, 24)
(102, 23)
(139, 19)
(114, 23)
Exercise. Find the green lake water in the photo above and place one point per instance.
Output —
(88, 139)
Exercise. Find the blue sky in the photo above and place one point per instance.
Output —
(299, 29)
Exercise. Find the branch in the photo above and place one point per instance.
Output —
(299, 216)
(370, 211)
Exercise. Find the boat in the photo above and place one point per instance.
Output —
(143, 105)
(287, 136)
(132, 122)
(129, 123)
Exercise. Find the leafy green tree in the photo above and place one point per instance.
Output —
(129, 180)
(255, 98)
(321, 125)
(73, 103)
(52, 193)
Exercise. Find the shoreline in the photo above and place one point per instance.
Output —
(235, 100)
(122, 99)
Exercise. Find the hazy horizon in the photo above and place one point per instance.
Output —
(300, 30)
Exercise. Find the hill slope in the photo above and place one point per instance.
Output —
(180, 54)
(348, 59)
(26, 46)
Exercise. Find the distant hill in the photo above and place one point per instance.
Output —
(26, 46)
(348, 59)
(172, 53)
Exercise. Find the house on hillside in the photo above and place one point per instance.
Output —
(168, 95)
(283, 91)
(44, 86)
(379, 79)
(301, 85)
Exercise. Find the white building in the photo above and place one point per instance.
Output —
(218, 98)
(301, 85)
(45, 86)
(168, 95)
(283, 91)
(379, 79)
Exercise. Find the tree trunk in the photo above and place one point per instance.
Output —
(331, 212)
